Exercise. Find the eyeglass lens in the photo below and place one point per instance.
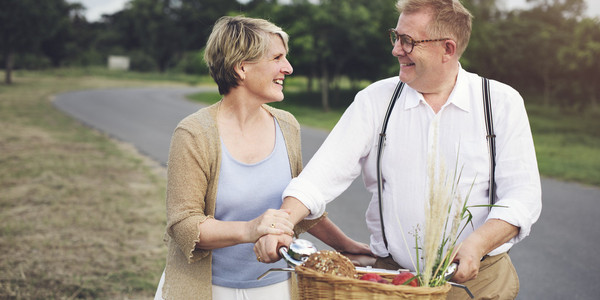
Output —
(406, 41)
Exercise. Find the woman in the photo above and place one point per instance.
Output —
(228, 165)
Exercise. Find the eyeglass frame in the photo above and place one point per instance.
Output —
(395, 37)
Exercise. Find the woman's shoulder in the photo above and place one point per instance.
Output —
(202, 120)
(283, 116)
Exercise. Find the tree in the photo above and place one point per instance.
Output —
(335, 38)
(25, 24)
(547, 26)
(61, 44)
(156, 25)
(580, 57)
(197, 17)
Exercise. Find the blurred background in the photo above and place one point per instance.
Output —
(546, 47)
(82, 215)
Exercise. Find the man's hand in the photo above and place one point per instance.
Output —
(480, 242)
(361, 260)
(468, 260)
(267, 247)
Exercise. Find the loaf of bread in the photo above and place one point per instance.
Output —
(331, 262)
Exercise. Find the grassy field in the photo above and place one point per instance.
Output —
(567, 143)
(83, 215)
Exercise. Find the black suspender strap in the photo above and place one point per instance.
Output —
(490, 136)
(395, 96)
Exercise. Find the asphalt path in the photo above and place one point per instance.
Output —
(559, 260)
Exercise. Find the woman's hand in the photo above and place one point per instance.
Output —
(273, 221)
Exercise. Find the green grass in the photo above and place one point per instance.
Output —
(567, 143)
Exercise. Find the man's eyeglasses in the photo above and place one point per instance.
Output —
(407, 42)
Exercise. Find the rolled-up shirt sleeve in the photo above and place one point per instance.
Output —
(518, 186)
(337, 162)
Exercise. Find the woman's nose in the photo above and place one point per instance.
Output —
(287, 68)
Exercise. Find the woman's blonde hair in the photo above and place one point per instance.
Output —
(234, 40)
(450, 19)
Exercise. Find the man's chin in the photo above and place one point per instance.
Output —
(404, 76)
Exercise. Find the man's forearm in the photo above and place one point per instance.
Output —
(491, 235)
(330, 234)
(297, 210)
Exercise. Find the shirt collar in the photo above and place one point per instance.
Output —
(458, 96)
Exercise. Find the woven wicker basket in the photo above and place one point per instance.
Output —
(314, 285)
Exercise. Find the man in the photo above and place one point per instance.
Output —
(441, 108)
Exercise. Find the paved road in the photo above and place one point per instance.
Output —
(558, 261)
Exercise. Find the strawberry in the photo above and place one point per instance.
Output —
(371, 277)
(403, 279)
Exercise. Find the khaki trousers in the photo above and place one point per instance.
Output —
(497, 279)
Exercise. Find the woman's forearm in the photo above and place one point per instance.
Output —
(219, 234)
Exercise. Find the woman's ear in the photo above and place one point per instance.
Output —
(240, 70)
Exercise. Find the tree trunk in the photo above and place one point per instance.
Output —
(546, 92)
(311, 77)
(594, 99)
(9, 63)
(324, 87)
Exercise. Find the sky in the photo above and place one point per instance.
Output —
(95, 8)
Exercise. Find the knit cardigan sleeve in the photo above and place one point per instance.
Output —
(192, 177)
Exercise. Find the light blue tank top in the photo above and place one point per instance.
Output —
(245, 192)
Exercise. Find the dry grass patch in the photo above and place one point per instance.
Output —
(82, 215)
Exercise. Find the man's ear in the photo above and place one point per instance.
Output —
(449, 49)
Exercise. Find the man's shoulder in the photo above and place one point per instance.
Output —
(380, 89)
(496, 87)
(383, 84)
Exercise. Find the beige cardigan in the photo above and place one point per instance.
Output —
(192, 180)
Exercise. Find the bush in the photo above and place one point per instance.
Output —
(139, 61)
(31, 61)
(192, 63)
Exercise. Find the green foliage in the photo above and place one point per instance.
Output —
(335, 38)
(26, 24)
(193, 63)
(155, 23)
(549, 49)
(141, 61)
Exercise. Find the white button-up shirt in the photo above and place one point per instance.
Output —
(351, 147)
